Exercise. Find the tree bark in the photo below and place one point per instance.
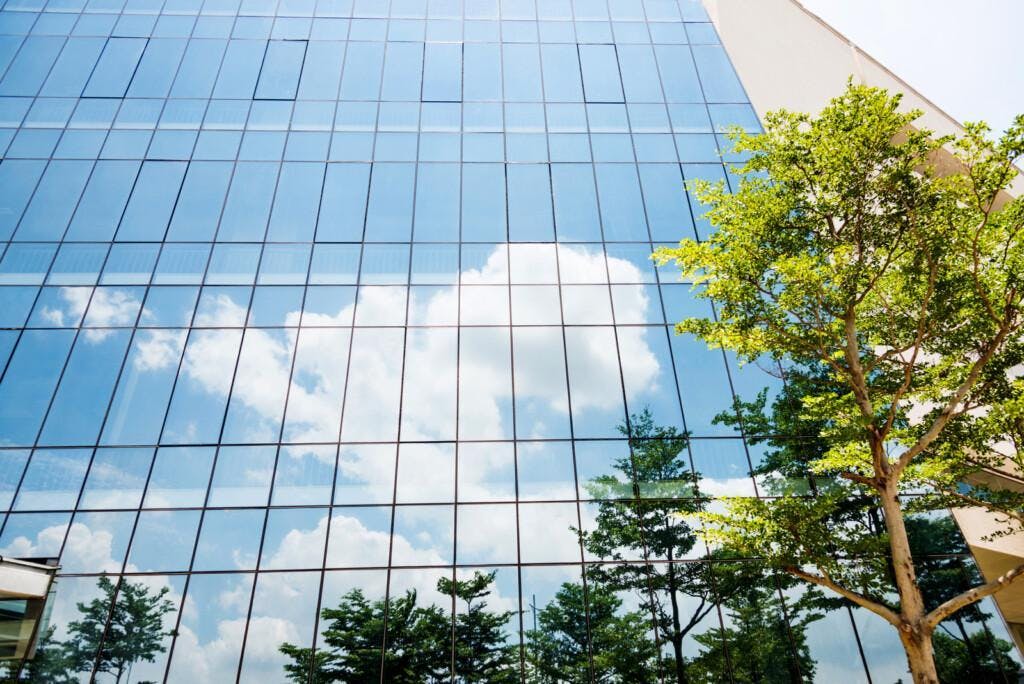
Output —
(677, 635)
(971, 653)
(912, 607)
(914, 631)
(920, 658)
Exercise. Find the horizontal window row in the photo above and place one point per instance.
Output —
(295, 538)
(354, 70)
(384, 202)
(560, 621)
(584, 10)
(128, 478)
(276, 306)
(320, 146)
(396, 117)
(293, 26)
(232, 263)
(258, 385)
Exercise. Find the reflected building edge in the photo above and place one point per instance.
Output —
(332, 351)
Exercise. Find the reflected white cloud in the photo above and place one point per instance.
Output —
(69, 310)
(431, 364)
(435, 361)
(107, 307)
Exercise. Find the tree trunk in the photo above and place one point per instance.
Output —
(920, 657)
(916, 642)
(677, 633)
(971, 653)
(677, 648)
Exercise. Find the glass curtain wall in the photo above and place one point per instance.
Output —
(331, 350)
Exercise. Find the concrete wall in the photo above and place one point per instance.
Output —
(789, 58)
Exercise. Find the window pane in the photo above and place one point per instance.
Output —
(282, 63)
(372, 399)
(54, 201)
(30, 379)
(483, 203)
(529, 203)
(575, 200)
(437, 203)
(256, 408)
(485, 384)
(343, 205)
(151, 203)
(442, 72)
(140, 401)
(202, 197)
(197, 407)
(80, 403)
(600, 73)
(428, 402)
(296, 203)
(248, 203)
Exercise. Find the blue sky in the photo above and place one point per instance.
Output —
(964, 55)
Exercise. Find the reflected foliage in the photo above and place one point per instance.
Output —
(559, 649)
(419, 639)
(978, 658)
(644, 520)
(961, 654)
(134, 633)
(759, 643)
(354, 635)
(482, 653)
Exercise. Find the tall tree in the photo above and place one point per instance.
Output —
(134, 629)
(419, 639)
(980, 659)
(638, 516)
(945, 570)
(763, 647)
(560, 649)
(940, 552)
(482, 651)
(843, 253)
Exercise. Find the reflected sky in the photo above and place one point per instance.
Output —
(369, 306)
(267, 365)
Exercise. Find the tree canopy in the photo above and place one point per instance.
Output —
(891, 297)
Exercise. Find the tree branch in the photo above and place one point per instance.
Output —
(949, 410)
(944, 610)
(911, 365)
(981, 503)
(824, 580)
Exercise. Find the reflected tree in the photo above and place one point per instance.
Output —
(419, 640)
(482, 653)
(978, 658)
(51, 663)
(111, 640)
(759, 645)
(642, 519)
(559, 649)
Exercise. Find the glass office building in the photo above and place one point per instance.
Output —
(323, 327)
